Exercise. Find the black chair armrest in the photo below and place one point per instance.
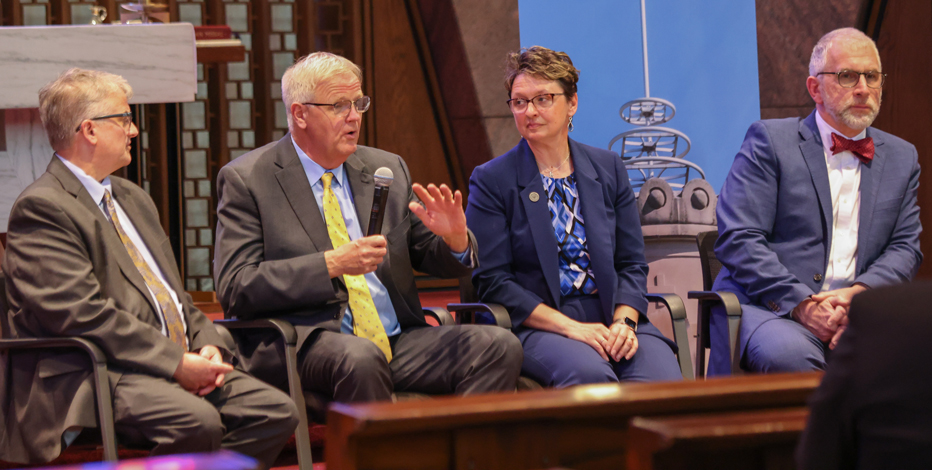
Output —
(467, 314)
(733, 313)
(101, 381)
(677, 310)
(96, 355)
(284, 328)
(440, 314)
(728, 299)
(290, 337)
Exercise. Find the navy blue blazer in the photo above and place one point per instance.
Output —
(775, 218)
(518, 265)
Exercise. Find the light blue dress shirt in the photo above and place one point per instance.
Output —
(344, 194)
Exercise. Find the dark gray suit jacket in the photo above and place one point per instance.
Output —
(271, 239)
(872, 410)
(68, 274)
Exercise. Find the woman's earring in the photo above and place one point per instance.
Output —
(571, 124)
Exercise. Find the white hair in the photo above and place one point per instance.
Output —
(843, 35)
(300, 81)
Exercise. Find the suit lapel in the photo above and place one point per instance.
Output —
(814, 155)
(362, 185)
(293, 180)
(149, 231)
(871, 175)
(597, 231)
(111, 239)
(538, 215)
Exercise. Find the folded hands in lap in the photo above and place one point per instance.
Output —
(826, 314)
(200, 373)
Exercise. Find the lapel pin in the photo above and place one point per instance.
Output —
(534, 197)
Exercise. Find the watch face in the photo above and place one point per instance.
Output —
(633, 324)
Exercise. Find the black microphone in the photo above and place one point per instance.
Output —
(383, 179)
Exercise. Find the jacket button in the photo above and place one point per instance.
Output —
(817, 278)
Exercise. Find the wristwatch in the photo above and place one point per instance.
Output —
(631, 324)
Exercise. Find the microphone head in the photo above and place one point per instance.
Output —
(384, 177)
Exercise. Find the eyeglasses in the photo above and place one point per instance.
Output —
(126, 119)
(343, 107)
(850, 78)
(542, 101)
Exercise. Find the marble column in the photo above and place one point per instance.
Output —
(27, 154)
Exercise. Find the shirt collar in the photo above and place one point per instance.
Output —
(826, 130)
(313, 170)
(94, 188)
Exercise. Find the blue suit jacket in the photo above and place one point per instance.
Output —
(518, 265)
(775, 222)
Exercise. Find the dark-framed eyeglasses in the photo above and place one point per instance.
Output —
(126, 119)
(343, 106)
(542, 101)
(850, 78)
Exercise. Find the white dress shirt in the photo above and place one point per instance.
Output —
(844, 178)
(96, 190)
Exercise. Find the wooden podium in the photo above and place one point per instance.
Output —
(586, 427)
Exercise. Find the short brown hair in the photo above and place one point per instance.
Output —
(76, 95)
(542, 63)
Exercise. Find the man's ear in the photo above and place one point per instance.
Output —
(298, 115)
(89, 131)
(814, 86)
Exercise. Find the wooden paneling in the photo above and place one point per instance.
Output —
(905, 43)
(455, 79)
(787, 30)
(408, 114)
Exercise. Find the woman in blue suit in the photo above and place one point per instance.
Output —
(560, 242)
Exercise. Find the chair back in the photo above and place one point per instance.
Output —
(468, 293)
(710, 264)
(710, 268)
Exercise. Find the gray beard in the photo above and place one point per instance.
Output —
(846, 117)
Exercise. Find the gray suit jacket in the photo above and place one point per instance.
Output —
(68, 274)
(271, 239)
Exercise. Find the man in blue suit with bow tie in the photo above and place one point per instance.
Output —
(813, 212)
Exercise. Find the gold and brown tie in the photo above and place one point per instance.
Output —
(169, 309)
(366, 321)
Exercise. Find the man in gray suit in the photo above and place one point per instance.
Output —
(86, 257)
(290, 244)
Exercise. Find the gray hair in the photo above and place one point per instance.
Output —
(76, 95)
(300, 81)
(842, 35)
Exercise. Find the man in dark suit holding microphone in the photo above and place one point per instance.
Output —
(290, 245)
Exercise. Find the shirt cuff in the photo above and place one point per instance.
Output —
(464, 257)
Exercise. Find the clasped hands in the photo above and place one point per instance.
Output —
(442, 214)
(826, 314)
(616, 341)
(200, 373)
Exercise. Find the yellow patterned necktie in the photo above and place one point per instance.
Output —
(169, 310)
(366, 321)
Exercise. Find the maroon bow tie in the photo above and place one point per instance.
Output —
(863, 149)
